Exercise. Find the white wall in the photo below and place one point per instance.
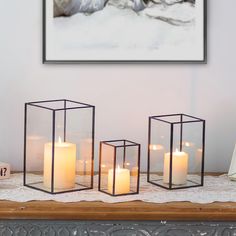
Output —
(124, 95)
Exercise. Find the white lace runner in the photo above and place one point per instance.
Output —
(216, 189)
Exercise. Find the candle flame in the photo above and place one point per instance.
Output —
(154, 147)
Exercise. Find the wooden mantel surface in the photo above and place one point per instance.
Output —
(120, 211)
(137, 210)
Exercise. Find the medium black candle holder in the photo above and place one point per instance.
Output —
(176, 147)
(119, 167)
(59, 146)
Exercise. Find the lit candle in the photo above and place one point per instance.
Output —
(134, 170)
(156, 147)
(179, 167)
(64, 165)
(122, 181)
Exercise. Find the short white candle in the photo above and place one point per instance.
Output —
(179, 168)
(64, 165)
(122, 181)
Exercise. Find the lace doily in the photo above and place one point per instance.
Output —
(219, 189)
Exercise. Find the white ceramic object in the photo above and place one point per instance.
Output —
(232, 168)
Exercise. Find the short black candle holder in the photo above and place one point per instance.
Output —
(119, 167)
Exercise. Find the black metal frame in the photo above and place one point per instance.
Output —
(181, 122)
(45, 61)
(53, 140)
(114, 164)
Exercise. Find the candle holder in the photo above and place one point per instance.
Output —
(119, 167)
(59, 146)
(176, 151)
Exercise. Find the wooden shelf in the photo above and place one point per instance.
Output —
(50, 210)
(137, 210)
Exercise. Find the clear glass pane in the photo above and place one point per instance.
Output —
(132, 164)
(192, 145)
(38, 133)
(107, 153)
(159, 146)
(74, 127)
(60, 104)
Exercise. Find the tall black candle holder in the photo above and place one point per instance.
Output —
(59, 146)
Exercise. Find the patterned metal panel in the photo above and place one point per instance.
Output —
(115, 228)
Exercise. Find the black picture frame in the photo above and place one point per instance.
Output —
(46, 61)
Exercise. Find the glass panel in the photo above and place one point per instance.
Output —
(176, 118)
(38, 133)
(158, 148)
(77, 134)
(116, 143)
(187, 118)
(60, 104)
(122, 175)
(192, 145)
(131, 163)
(169, 118)
(106, 167)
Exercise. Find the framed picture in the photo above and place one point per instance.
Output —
(121, 31)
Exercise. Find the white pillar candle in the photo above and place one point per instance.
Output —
(64, 165)
(122, 181)
(179, 168)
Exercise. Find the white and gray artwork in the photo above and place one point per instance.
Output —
(146, 30)
(71, 7)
